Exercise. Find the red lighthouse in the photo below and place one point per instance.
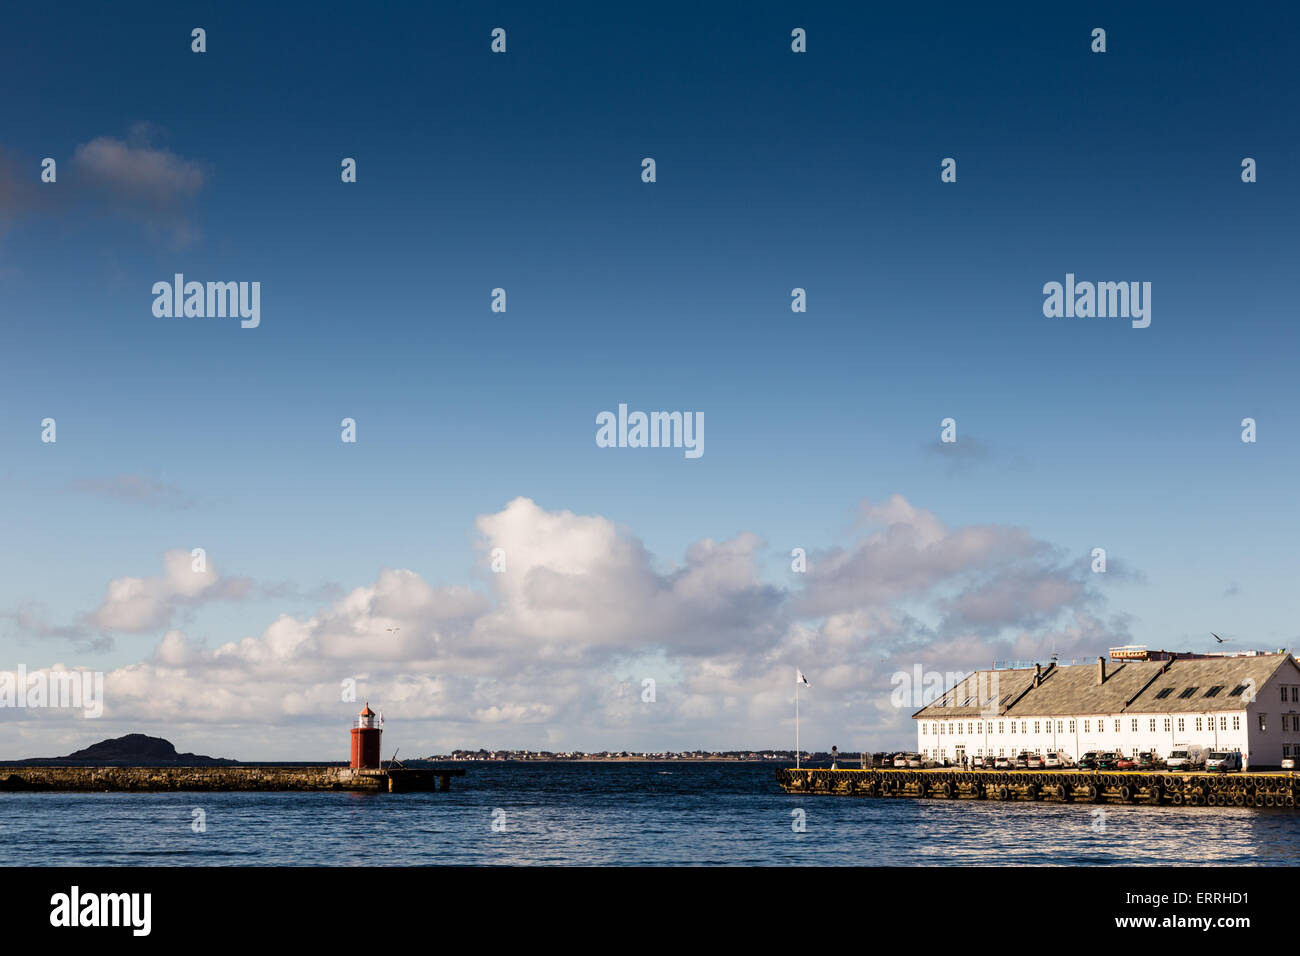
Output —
(366, 730)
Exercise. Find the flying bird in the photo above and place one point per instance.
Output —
(1217, 638)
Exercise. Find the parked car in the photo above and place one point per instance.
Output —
(900, 760)
(1108, 760)
(1089, 760)
(1126, 763)
(1223, 760)
(1036, 762)
(977, 763)
(1149, 761)
(1288, 763)
(1057, 760)
(914, 760)
(1187, 757)
(1003, 763)
(1022, 761)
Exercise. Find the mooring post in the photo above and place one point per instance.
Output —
(444, 781)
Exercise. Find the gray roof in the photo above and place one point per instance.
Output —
(1143, 687)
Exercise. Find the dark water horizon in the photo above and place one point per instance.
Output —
(608, 813)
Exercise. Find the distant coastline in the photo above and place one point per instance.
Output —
(140, 750)
(691, 756)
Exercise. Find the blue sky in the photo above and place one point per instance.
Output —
(775, 170)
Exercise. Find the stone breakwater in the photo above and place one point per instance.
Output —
(152, 779)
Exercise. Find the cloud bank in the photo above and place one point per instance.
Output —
(550, 651)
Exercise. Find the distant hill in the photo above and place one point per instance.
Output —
(131, 750)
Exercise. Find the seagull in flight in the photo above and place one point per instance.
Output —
(1217, 638)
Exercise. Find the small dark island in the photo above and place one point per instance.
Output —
(132, 750)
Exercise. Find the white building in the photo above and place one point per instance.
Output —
(1248, 702)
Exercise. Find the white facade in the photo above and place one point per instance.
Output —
(1263, 724)
(1127, 734)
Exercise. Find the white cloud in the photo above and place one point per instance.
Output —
(551, 653)
(139, 181)
(134, 169)
(134, 605)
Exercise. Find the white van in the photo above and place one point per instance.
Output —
(1225, 760)
(1186, 757)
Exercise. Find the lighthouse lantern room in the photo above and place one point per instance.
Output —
(366, 730)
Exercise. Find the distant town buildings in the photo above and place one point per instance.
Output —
(544, 755)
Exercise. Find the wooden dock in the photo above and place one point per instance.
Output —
(1201, 789)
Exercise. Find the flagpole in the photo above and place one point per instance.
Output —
(796, 725)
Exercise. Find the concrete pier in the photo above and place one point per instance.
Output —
(1077, 786)
(147, 779)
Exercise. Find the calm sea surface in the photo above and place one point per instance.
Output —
(610, 814)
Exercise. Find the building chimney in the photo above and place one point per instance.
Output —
(1038, 674)
(1101, 670)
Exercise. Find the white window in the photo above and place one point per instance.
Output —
(1116, 725)
(1166, 723)
(1135, 725)
(1071, 726)
(1198, 725)
(1223, 723)
(1036, 730)
(1086, 725)
(1058, 727)
(1153, 724)
(999, 726)
(1180, 724)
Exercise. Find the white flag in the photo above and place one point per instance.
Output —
(800, 679)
